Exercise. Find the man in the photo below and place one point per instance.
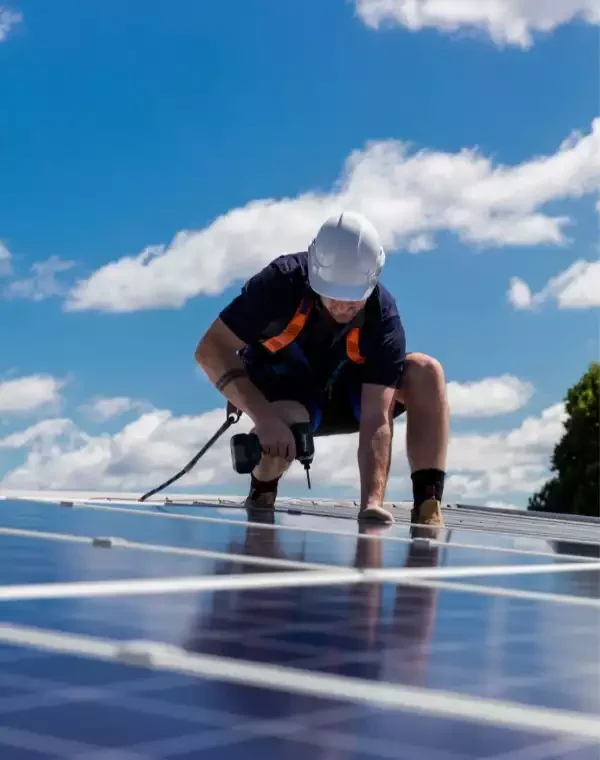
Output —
(315, 336)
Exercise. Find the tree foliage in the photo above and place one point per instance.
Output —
(575, 487)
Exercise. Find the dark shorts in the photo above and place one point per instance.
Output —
(330, 416)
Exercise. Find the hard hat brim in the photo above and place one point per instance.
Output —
(336, 291)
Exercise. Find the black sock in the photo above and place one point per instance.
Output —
(427, 484)
(262, 486)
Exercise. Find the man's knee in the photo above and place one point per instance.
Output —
(421, 372)
(291, 411)
(420, 364)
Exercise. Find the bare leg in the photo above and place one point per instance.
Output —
(424, 394)
(263, 489)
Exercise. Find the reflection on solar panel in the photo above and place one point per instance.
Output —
(189, 629)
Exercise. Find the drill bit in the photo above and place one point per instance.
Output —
(306, 467)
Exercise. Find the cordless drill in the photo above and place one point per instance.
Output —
(246, 451)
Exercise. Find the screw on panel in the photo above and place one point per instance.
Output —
(107, 542)
(146, 653)
(139, 657)
(426, 543)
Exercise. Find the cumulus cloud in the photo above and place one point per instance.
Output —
(101, 409)
(26, 394)
(411, 196)
(45, 432)
(42, 283)
(151, 448)
(505, 22)
(8, 20)
(489, 397)
(157, 444)
(511, 461)
(577, 287)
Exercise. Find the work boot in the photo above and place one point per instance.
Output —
(428, 513)
(262, 496)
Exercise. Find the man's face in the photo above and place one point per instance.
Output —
(342, 311)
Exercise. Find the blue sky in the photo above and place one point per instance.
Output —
(123, 125)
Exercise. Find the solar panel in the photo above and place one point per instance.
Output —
(184, 628)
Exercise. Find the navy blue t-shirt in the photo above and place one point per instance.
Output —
(269, 299)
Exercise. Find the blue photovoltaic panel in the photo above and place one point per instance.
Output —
(533, 650)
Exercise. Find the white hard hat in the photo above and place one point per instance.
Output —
(346, 258)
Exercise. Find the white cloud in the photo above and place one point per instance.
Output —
(43, 283)
(578, 287)
(157, 445)
(102, 409)
(25, 394)
(506, 22)
(8, 20)
(506, 462)
(410, 197)
(489, 397)
(501, 504)
(519, 293)
(45, 431)
(5, 261)
(152, 448)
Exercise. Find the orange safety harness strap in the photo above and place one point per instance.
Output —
(295, 327)
(352, 348)
(292, 329)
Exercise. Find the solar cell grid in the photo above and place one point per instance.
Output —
(321, 638)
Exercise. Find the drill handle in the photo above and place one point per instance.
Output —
(305, 444)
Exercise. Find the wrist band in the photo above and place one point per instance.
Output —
(226, 378)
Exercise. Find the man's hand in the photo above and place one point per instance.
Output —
(375, 513)
(276, 437)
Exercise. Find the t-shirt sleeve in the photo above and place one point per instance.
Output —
(386, 359)
(264, 298)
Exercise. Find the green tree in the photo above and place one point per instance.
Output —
(575, 487)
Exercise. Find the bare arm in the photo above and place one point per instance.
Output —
(375, 443)
(217, 354)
